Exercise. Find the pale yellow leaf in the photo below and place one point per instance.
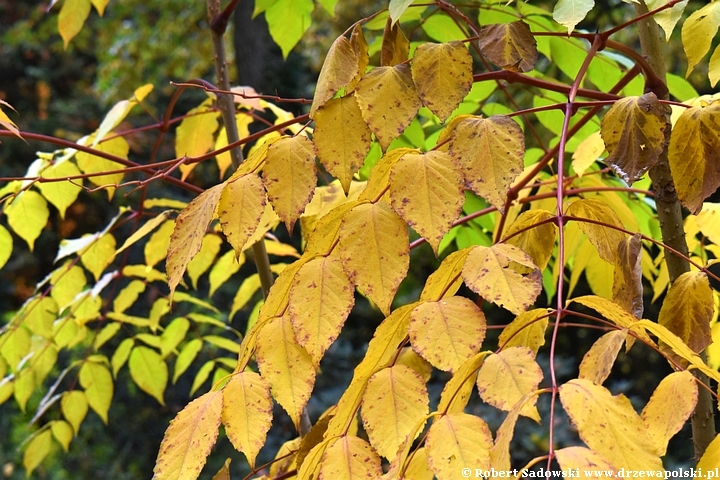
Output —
(349, 458)
(27, 215)
(72, 18)
(6, 246)
(149, 371)
(339, 68)
(698, 31)
(157, 245)
(74, 408)
(99, 255)
(526, 330)
(536, 240)
(95, 378)
(584, 461)
(616, 314)
(447, 278)
(600, 232)
(97, 166)
(323, 238)
(37, 449)
(61, 194)
(456, 441)
(500, 451)
(195, 134)
(587, 153)
(119, 111)
(688, 309)
(598, 361)
(199, 264)
(225, 267)
(668, 18)
(63, 433)
(708, 220)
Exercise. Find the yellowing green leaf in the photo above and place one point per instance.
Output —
(27, 215)
(149, 371)
(199, 264)
(627, 278)
(510, 46)
(585, 461)
(61, 194)
(96, 166)
(286, 365)
(37, 449)
(527, 330)
(688, 310)
(71, 20)
(95, 378)
(426, 191)
(571, 12)
(375, 251)
(587, 153)
(195, 135)
(349, 458)
(224, 160)
(538, 241)
(99, 255)
(63, 433)
(340, 67)
(395, 45)
(247, 412)
(397, 8)
(668, 18)
(225, 267)
(455, 441)
(74, 408)
(490, 152)
(504, 275)
(342, 138)
(445, 281)
(189, 439)
(121, 354)
(6, 246)
(599, 360)
(157, 245)
(609, 425)
(186, 356)
(388, 101)
(443, 76)
(506, 377)
(698, 32)
(633, 132)
(602, 235)
(395, 400)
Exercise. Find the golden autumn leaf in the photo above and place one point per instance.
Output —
(375, 251)
(711, 457)
(586, 462)
(447, 278)
(587, 153)
(187, 236)
(320, 299)
(360, 46)
(510, 46)
(388, 101)
(349, 458)
(239, 209)
(92, 164)
(395, 45)
(609, 425)
(286, 365)
(247, 412)
(409, 358)
(189, 439)
(324, 236)
(342, 138)
(670, 406)
(149, 371)
(443, 76)
(339, 68)
(616, 314)
(500, 451)
(224, 160)
(395, 400)
(598, 361)
(490, 152)
(526, 330)
(196, 134)
(504, 275)
(633, 132)
(693, 155)
(698, 32)
(603, 236)
(455, 441)
(508, 376)
(379, 182)
(688, 309)
(538, 241)
(447, 332)
(426, 191)
(457, 390)
(627, 277)
(289, 177)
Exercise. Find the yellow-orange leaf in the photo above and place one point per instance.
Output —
(286, 365)
(527, 330)
(506, 377)
(388, 101)
(375, 251)
(247, 412)
(445, 281)
(604, 238)
(490, 152)
(504, 275)
(395, 45)
(72, 18)
(537, 241)
(342, 138)
(598, 361)
(339, 68)
(609, 425)
(195, 135)
(320, 299)
(241, 205)
(187, 237)
(443, 76)
(455, 441)
(395, 400)
(427, 191)
(693, 154)
(289, 177)
(633, 132)
(447, 332)
(349, 458)
(583, 460)
(189, 439)
(627, 278)
(688, 310)
(510, 46)
(668, 409)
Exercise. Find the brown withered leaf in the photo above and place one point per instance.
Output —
(627, 280)
(339, 69)
(510, 46)
(633, 132)
(395, 45)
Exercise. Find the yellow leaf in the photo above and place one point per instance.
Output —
(27, 215)
(119, 111)
(616, 314)
(342, 138)
(598, 361)
(173, 334)
(339, 69)
(286, 365)
(349, 458)
(63, 433)
(698, 32)
(95, 378)
(94, 165)
(187, 237)
(426, 190)
(586, 462)
(447, 332)
(99, 255)
(587, 153)
(455, 441)
(603, 236)
(527, 330)
(224, 472)
(379, 181)
(490, 152)
(693, 154)
(445, 281)
(506, 377)
(149, 371)
(61, 194)
(189, 438)
(6, 246)
(289, 177)
(195, 134)
(711, 457)
(6, 122)
(375, 251)
(37, 449)
(388, 101)
(688, 309)
(225, 267)
(411, 359)
(500, 451)
(714, 67)
(627, 277)
(510, 46)
(668, 409)
(247, 412)
(199, 264)
(268, 221)
(360, 46)
(72, 18)
(40, 314)
(457, 390)
(609, 425)
(320, 299)
(74, 408)
(668, 18)
(708, 220)
(633, 132)
(224, 160)
(504, 275)
(157, 245)
(538, 241)
(443, 76)
(395, 400)
(395, 45)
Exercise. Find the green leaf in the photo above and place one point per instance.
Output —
(288, 20)
(149, 372)
(397, 8)
(571, 12)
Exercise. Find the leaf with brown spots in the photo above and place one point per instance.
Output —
(395, 45)
(510, 46)
(688, 310)
(627, 278)
(338, 70)
(532, 236)
(349, 458)
(241, 205)
(457, 440)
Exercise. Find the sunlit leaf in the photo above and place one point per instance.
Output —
(527, 330)
(587, 153)
(149, 371)
(37, 449)
(534, 234)
(287, 21)
(61, 194)
(74, 408)
(96, 166)
(600, 231)
(27, 215)
(571, 12)
(668, 18)
(698, 32)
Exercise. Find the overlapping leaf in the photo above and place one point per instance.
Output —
(349, 458)
(240, 207)
(599, 360)
(447, 278)
(27, 215)
(526, 330)
(584, 459)
(510, 46)
(395, 45)
(688, 310)
(339, 68)
(627, 278)
(698, 32)
(532, 236)
(456, 440)
(195, 135)
(600, 232)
